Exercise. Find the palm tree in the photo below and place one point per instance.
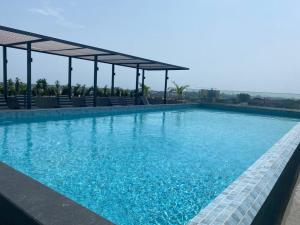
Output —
(11, 87)
(178, 89)
(83, 90)
(20, 87)
(57, 87)
(17, 85)
(146, 89)
(105, 91)
(76, 90)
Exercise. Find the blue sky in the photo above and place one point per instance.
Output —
(249, 45)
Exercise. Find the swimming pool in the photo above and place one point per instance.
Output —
(157, 167)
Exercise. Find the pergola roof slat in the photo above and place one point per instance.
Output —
(18, 39)
(7, 37)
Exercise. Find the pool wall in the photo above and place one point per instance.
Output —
(23, 200)
(261, 193)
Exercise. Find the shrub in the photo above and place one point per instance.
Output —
(41, 87)
(242, 97)
(76, 90)
(64, 90)
(11, 87)
(57, 88)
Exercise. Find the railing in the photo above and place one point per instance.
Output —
(279, 100)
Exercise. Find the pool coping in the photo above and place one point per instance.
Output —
(87, 111)
(242, 201)
(24, 200)
(282, 112)
(102, 110)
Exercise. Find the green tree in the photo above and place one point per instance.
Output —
(11, 87)
(20, 87)
(41, 87)
(17, 85)
(125, 92)
(106, 91)
(178, 89)
(118, 91)
(65, 90)
(57, 88)
(83, 90)
(146, 89)
(89, 91)
(243, 97)
(76, 90)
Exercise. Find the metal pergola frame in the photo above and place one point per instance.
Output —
(32, 42)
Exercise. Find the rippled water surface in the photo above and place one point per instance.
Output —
(146, 168)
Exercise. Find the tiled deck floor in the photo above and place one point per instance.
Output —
(292, 214)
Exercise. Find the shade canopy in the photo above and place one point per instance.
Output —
(14, 38)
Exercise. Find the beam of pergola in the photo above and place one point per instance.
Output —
(14, 38)
(32, 42)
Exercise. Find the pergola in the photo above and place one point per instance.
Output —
(19, 39)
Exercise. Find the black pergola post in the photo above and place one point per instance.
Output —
(29, 60)
(95, 80)
(143, 82)
(70, 77)
(112, 90)
(5, 72)
(166, 86)
(137, 83)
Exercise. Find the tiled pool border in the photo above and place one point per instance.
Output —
(241, 202)
(64, 113)
(282, 112)
(61, 113)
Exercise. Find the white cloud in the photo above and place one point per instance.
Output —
(57, 14)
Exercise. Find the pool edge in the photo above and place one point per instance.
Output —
(87, 111)
(251, 198)
(258, 110)
(24, 200)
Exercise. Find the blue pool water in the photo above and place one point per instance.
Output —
(157, 167)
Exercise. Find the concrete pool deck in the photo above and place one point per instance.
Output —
(292, 213)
